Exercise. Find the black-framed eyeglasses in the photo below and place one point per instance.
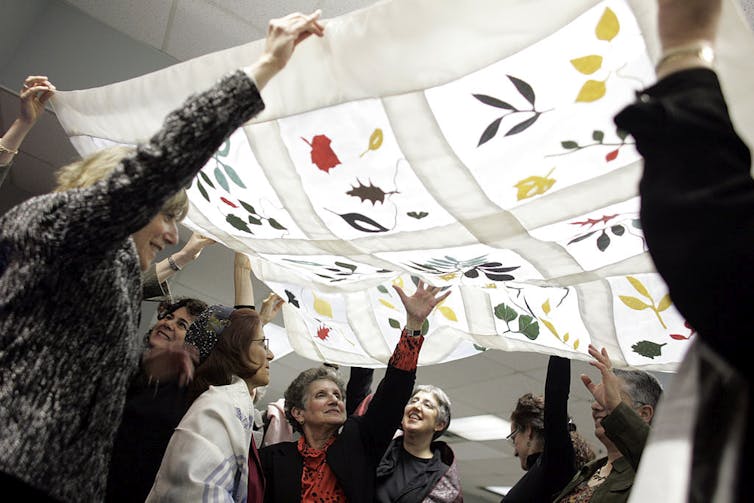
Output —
(512, 436)
(265, 342)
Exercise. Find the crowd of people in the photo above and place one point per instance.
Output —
(90, 410)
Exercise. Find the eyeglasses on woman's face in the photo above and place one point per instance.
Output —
(512, 436)
(264, 341)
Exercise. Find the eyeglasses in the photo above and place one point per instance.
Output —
(512, 437)
(265, 342)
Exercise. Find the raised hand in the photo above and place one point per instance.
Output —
(170, 363)
(607, 393)
(36, 92)
(682, 22)
(420, 304)
(271, 306)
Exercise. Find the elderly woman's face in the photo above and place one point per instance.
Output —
(324, 405)
(421, 414)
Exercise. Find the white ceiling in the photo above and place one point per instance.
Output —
(487, 383)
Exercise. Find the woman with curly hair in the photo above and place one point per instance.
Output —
(544, 439)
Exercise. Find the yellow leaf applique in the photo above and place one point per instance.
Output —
(566, 336)
(398, 282)
(576, 344)
(490, 285)
(639, 286)
(592, 90)
(447, 312)
(386, 304)
(608, 26)
(550, 327)
(322, 307)
(449, 276)
(665, 303)
(634, 303)
(375, 141)
(587, 64)
(546, 307)
(534, 186)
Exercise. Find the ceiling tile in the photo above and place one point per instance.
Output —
(259, 12)
(199, 28)
(334, 8)
(143, 20)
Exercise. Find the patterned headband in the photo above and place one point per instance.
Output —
(206, 329)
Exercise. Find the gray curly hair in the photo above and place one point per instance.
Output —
(297, 393)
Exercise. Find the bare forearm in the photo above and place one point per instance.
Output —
(12, 140)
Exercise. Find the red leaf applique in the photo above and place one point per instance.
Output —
(323, 333)
(611, 156)
(232, 205)
(322, 154)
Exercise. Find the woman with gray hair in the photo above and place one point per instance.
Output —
(336, 458)
(417, 466)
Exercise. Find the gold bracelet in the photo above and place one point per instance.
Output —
(5, 149)
(702, 51)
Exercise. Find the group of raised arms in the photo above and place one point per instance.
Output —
(91, 410)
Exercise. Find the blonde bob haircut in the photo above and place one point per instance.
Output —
(97, 166)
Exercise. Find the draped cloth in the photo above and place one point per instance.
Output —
(470, 146)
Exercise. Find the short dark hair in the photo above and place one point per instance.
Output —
(230, 356)
(193, 306)
(530, 411)
(297, 394)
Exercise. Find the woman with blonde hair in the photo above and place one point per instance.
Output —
(70, 286)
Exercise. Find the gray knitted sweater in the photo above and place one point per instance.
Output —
(70, 292)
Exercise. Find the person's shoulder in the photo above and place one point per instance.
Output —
(280, 448)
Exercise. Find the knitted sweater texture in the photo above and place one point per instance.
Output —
(70, 293)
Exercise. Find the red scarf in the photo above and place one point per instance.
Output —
(318, 482)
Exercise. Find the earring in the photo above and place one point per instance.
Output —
(528, 443)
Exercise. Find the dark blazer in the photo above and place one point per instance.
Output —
(356, 452)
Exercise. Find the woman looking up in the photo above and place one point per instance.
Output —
(336, 458)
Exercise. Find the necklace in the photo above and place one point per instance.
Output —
(600, 475)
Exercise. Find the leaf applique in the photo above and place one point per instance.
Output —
(398, 282)
(592, 90)
(229, 203)
(233, 175)
(323, 333)
(587, 64)
(322, 154)
(221, 179)
(534, 185)
(386, 304)
(394, 323)
(493, 102)
(275, 224)
(238, 223)
(639, 305)
(523, 126)
(448, 313)
(322, 307)
(603, 241)
(224, 148)
(612, 155)
(523, 88)
(291, 298)
(505, 312)
(608, 26)
(382, 289)
(362, 223)
(479, 348)
(202, 190)
(648, 349)
(206, 179)
(254, 220)
(546, 307)
(417, 214)
(490, 132)
(375, 141)
(449, 276)
(370, 193)
(528, 327)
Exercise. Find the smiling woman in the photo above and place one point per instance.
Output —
(336, 458)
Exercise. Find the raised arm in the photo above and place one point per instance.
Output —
(36, 92)
(697, 193)
(138, 187)
(559, 455)
(386, 408)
